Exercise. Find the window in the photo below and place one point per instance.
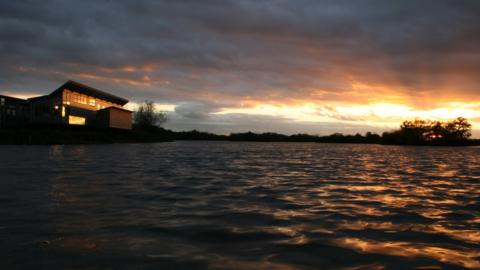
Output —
(78, 98)
(2, 101)
(91, 102)
(75, 98)
(63, 111)
(76, 120)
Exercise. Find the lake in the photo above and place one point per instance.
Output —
(226, 205)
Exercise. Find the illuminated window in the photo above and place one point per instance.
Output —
(63, 111)
(75, 98)
(76, 120)
(91, 102)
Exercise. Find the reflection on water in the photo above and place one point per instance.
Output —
(466, 258)
(218, 205)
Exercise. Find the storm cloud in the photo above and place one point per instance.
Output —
(203, 56)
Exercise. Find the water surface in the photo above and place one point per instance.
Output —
(222, 205)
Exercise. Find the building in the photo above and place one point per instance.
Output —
(13, 111)
(72, 103)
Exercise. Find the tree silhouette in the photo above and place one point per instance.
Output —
(147, 116)
(430, 132)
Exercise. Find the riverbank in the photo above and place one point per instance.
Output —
(81, 135)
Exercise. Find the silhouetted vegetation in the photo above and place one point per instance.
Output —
(422, 132)
(271, 137)
(196, 135)
(147, 117)
(416, 132)
(357, 138)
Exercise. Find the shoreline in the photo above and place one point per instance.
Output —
(80, 135)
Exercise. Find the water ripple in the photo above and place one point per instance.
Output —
(223, 205)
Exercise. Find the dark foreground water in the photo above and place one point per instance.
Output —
(219, 205)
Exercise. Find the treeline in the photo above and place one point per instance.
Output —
(416, 132)
(424, 132)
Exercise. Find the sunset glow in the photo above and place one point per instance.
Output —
(240, 134)
(359, 65)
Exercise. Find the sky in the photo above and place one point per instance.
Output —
(303, 66)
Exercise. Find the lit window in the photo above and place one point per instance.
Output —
(82, 99)
(91, 102)
(2, 101)
(76, 120)
(75, 98)
(63, 111)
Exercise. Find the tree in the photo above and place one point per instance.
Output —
(413, 131)
(431, 132)
(459, 129)
(147, 116)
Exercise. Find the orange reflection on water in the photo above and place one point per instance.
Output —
(362, 225)
(470, 236)
(434, 213)
(465, 258)
(394, 201)
(365, 267)
(231, 262)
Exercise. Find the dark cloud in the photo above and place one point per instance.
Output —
(223, 52)
(194, 110)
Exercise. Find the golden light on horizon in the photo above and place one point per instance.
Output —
(383, 114)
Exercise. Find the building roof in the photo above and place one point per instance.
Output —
(13, 98)
(115, 108)
(87, 90)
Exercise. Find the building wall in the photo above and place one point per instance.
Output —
(13, 111)
(114, 118)
(46, 110)
(120, 119)
(88, 115)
